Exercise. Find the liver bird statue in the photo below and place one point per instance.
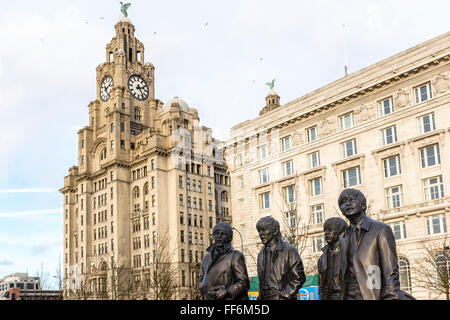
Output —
(124, 7)
(271, 84)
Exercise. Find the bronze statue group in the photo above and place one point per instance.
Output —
(359, 261)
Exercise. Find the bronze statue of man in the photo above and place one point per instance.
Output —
(371, 267)
(280, 268)
(224, 272)
(331, 275)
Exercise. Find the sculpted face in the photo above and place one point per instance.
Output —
(331, 235)
(265, 233)
(351, 205)
(220, 235)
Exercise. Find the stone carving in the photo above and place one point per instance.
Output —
(327, 127)
(402, 99)
(441, 83)
(297, 138)
(366, 112)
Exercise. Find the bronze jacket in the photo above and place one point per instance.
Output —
(375, 262)
(287, 267)
(322, 268)
(228, 270)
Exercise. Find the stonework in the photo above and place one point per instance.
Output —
(383, 130)
(146, 176)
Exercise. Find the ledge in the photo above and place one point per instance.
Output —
(389, 146)
(355, 157)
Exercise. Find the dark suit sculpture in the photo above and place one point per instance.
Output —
(371, 266)
(331, 274)
(224, 272)
(280, 268)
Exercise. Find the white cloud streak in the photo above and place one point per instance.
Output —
(22, 214)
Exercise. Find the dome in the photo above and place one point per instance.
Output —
(183, 105)
(125, 19)
(272, 93)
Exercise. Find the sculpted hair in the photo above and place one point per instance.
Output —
(356, 193)
(335, 223)
(228, 229)
(272, 223)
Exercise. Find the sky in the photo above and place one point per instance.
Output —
(215, 55)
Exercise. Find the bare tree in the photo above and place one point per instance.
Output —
(433, 272)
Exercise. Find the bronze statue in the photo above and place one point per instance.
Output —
(280, 268)
(331, 275)
(371, 267)
(224, 272)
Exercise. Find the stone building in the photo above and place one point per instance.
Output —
(143, 191)
(384, 130)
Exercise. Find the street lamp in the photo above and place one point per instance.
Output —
(242, 243)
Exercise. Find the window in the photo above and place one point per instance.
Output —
(180, 182)
(288, 168)
(199, 186)
(188, 184)
(313, 160)
(210, 205)
(399, 229)
(436, 224)
(264, 175)
(209, 187)
(433, 188)
(394, 197)
(182, 236)
(239, 160)
(389, 135)
(262, 152)
(285, 143)
(291, 219)
(180, 200)
(318, 243)
(426, 123)
(430, 156)
(122, 127)
(386, 106)
(289, 194)
(348, 148)
(311, 134)
(208, 171)
(352, 177)
(181, 218)
(423, 92)
(392, 166)
(265, 200)
(318, 213)
(315, 187)
(346, 121)
(404, 274)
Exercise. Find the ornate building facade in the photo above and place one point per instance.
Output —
(143, 193)
(384, 130)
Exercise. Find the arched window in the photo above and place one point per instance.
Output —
(442, 262)
(136, 192)
(103, 154)
(405, 274)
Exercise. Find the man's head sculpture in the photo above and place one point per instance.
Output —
(268, 228)
(352, 202)
(226, 229)
(333, 227)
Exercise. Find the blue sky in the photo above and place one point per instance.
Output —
(216, 55)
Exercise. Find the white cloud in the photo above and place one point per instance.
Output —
(27, 190)
(30, 213)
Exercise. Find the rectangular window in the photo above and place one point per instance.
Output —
(426, 123)
(346, 121)
(394, 197)
(318, 213)
(180, 198)
(399, 230)
(265, 200)
(351, 177)
(386, 106)
(180, 182)
(315, 187)
(436, 224)
(423, 92)
(188, 184)
(313, 160)
(285, 143)
(348, 148)
(289, 194)
(389, 135)
(288, 168)
(264, 175)
(392, 166)
(262, 152)
(291, 219)
(239, 160)
(433, 188)
(318, 243)
(311, 134)
(430, 156)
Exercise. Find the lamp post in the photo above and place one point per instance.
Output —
(242, 243)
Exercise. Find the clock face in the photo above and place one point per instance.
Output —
(138, 87)
(105, 89)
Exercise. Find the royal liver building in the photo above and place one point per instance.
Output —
(149, 186)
